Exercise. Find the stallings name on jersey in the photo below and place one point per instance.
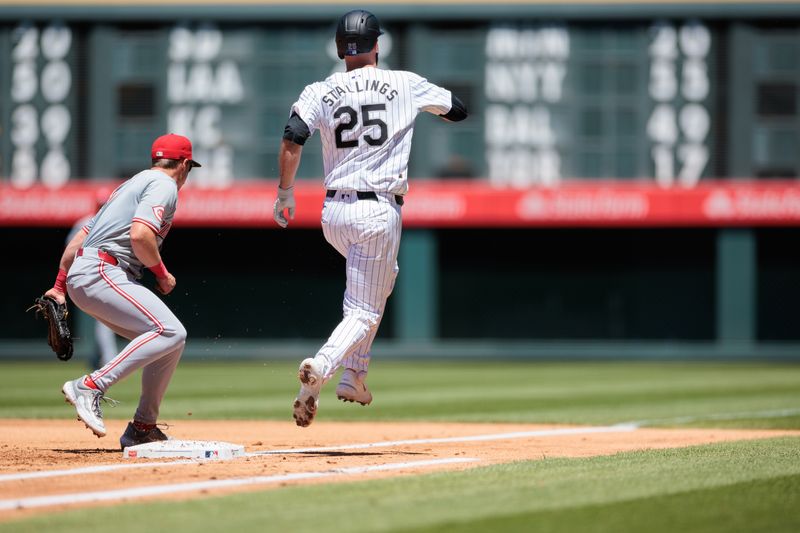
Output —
(359, 86)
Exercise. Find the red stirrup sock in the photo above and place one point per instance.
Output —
(89, 382)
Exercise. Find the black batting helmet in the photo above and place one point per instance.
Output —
(357, 33)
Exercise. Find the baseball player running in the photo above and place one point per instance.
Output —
(366, 119)
(100, 269)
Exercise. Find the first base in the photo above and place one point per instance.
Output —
(186, 449)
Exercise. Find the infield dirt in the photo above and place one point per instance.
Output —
(28, 446)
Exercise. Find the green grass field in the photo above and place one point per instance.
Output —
(739, 486)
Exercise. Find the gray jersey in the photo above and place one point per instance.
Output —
(366, 121)
(149, 197)
(80, 225)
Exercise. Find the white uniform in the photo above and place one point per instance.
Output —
(366, 120)
(112, 294)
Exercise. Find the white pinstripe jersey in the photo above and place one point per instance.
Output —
(150, 197)
(366, 121)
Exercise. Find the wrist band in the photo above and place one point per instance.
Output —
(61, 281)
(159, 270)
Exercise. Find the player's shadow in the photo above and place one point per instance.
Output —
(87, 451)
(355, 454)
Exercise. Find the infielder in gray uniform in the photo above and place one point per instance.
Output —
(366, 119)
(100, 269)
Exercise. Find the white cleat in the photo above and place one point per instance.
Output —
(307, 401)
(87, 403)
(353, 387)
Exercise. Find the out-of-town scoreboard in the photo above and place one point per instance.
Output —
(665, 96)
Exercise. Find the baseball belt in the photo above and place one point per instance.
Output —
(365, 195)
(101, 255)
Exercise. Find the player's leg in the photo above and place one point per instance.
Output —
(84, 288)
(371, 267)
(155, 380)
(358, 360)
(337, 229)
(360, 357)
(129, 306)
(132, 310)
(361, 231)
(352, 385)
(312, 371)
(106, 343)
(156, 377)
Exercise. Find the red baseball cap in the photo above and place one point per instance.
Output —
(173, 146)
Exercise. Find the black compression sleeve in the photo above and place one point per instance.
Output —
(296, 130)
(458, 111)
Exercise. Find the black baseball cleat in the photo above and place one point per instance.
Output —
(133, 436)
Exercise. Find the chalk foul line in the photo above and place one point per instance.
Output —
(620, 428)
(99, 469)
(159, 490)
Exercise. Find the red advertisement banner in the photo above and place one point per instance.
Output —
(452, 203)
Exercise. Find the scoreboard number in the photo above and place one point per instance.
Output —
(679, 123)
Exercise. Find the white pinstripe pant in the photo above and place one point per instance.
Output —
(367, 233)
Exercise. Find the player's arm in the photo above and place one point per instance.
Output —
(59, 289)
(68, 257)
(294, 137)
(431, 98)
(145, 248)
(458, 111)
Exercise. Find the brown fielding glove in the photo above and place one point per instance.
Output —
(58, 335)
